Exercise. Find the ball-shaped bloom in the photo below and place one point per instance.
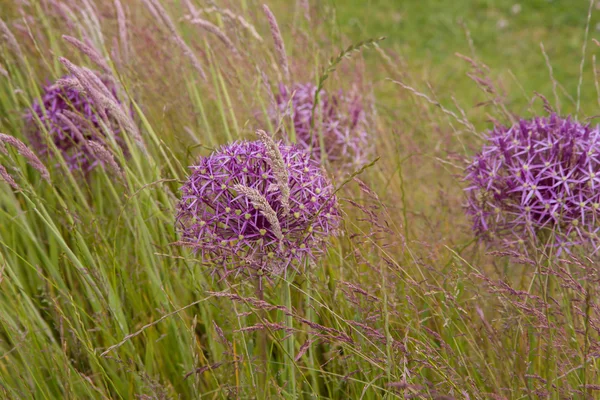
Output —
(538, 179)
(70, 119)
(340, 126)
(241, 211)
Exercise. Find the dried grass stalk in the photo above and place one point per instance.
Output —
(89, 51)
(228, 14)
(72, 127)
(279, 168)
(106, 157)
(69, 83)
(258, 200)
(102, 97)
(212, 28)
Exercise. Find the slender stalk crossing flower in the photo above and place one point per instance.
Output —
(340, 125)
(233, 213)
(538, 180)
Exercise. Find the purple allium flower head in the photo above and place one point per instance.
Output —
(537, 178)
(69, 136)
(233, 213)
(340, 120)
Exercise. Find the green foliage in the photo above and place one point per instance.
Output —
(97, 301)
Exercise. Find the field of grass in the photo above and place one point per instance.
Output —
(99, 301)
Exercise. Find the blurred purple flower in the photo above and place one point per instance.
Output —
(538, 180)
(340, 120)
(232, 212)
(70, 118)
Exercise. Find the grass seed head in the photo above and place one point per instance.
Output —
(71, 118)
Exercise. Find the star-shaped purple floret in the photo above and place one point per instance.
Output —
(538, 177)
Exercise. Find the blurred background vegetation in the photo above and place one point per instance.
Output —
(506, 35)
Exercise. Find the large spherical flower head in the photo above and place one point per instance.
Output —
(538, 179)
(340, 121)
(235, 213)
(57, 101)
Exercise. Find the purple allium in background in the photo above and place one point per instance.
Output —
(57, 103)
(537, 180)
(340, 119)
(232, 212)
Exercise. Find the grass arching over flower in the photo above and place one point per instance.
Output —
(236, 211)
(536, 178)
(70, 118)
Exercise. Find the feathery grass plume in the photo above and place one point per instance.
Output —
(104, 99)
(232, 214)
(105, 157)
(123, 34)
(89, 87)
(278, 40)
(3, 71)
(70, 118)
(67, 82)
(261, 203)
(66, 14)
(23, 150)
(10, 39)
(93, 79)
(212, 28)
(340, 120)
(227, 13)
(89, 51)
(6, 177)
(278, 167)
(160, 14)
(538, 180)
(76, 133)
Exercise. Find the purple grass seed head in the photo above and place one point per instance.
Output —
(538, 181)
(341, 121)
(233, 212)
(71, 119)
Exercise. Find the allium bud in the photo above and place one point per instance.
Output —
(538, 180)
(231, 209)
(71, 119)
(339, 119)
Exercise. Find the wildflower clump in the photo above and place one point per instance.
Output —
(538, 179)
(71, 119)
(257, 207)
(340, 125)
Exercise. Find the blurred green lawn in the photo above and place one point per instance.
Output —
(506, 35)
